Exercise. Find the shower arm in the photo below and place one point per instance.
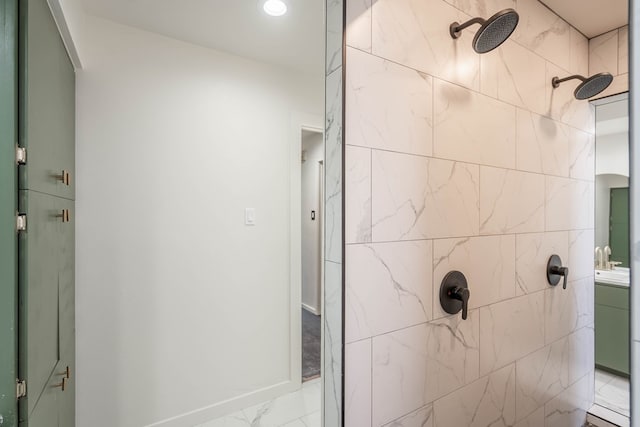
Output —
(456, 28)
(555, 82)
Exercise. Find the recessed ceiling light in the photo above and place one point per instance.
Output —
(275, 7)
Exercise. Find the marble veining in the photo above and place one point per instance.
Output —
(390, 278)
(333, 167)
(482, 8)
(464, 132)
(489, 401)
(358, 383)
(334, 37)
(404, 121)
(510, 330)
(358, 186)
(603, 53)
(569, 408)
(358, 32)
(414, 366)
(415, 33)
(423, 417)
(516, 75)
(541, 376)
(542, 144)
(532, 255)
(511, 201)
(488, 263)
(543, 32)
(332, 361)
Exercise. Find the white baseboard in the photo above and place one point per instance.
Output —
(311, 309)
(226, 407)
(602, 417)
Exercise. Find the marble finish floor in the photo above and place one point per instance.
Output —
(612, 392)
(298, 409)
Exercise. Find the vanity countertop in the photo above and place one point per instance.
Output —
(618, 277)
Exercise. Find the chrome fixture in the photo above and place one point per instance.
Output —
(598, 258)
(590, 86)
(493, 31)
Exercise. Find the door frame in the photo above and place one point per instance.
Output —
(299, 122)
(8, 207)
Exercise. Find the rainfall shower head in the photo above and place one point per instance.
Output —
(493, 31)
(590, 86)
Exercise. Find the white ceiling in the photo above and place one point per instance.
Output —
(295, 40)
(592, 17)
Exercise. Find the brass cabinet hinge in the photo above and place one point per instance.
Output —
(21, 222)
(21, 155)
(21, 388)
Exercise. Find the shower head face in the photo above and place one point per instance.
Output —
(593, 85)
(495, 30)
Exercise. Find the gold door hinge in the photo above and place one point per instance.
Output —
(21, 388)
(21, 155)
(21, 222)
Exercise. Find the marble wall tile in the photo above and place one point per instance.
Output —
(510, 330)
(388, 287)
(623, 50)
(581, 255)
(619, 84)
(581, 362)
(569, 409)
(334, 36)
(399, 197)
(453, 192)
(536, 419)
(357, 384)
(569, 204)
(579, 63)
(358, 32)
(423, 417)
(603, 53)
(542, 144)
(414, 366)
(514, 74)
(541, 376)
(489, 401)
(332, 360)
(404, 121)
(482, 8)
(510, 201)
(487, 262)
(333, 167)
(416, 197)
(532, 255)
(358, 187)
(561, 105)
(567, 310)
(415, 33)
(582, 155)
(543, 32)
(465, 132)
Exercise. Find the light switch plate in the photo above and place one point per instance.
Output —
(250, 216)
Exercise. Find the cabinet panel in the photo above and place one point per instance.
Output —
(46, 298)
(47, 121)
(612, 338)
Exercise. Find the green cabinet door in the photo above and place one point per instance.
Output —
(619, 225)
(46, 308)
(47, 103)
(46, 318)
(8, 208)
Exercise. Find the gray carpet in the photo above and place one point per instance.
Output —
(310, 345)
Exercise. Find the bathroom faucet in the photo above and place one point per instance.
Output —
(598, 258)
(607, 256)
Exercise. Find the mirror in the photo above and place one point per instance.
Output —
(611, 255)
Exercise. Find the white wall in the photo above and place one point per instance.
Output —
(70, 18)
(181, 308)
(313, 146)
(612, 154)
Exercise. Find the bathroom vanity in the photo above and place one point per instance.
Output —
(612, 320)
